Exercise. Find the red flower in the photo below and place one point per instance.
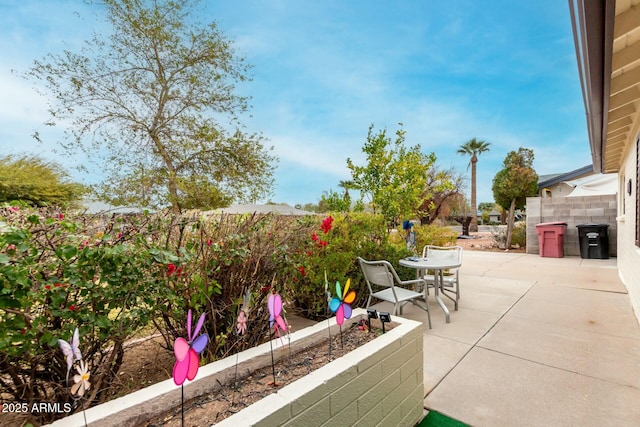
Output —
(73, 307)
(323, 244)
(326, 224)
(314, 237)
(15, 208)
(171, 268)
(309, 253)
(57, 285)
(47, 287)
(265, 289)
(209, 242)
(119, 236)
(302, 271)
(60, 216)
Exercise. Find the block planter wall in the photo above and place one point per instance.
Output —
(573, 211)
(381, 382)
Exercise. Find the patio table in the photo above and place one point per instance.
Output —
(438, 266)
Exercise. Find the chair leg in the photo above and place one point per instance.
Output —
(368, 302)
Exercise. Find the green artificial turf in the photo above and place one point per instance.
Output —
(436, 419)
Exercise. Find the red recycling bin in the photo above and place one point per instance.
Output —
(551, 239)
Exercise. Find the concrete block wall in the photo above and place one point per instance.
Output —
(573, 211)
(381, 383)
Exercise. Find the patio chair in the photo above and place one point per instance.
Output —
(450, 282)
(381, 274)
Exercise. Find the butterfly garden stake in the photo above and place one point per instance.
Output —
(71, 351)
(187, 353)
(341, 304)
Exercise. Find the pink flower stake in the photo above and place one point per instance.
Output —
(187, 351)
(241, 327)
(278, 324)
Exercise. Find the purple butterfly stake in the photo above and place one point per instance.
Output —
(187, 352)
(71, 350)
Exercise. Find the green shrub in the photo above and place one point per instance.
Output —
(519, 234)
(518, 237)
(434, 235)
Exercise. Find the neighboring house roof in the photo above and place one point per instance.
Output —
(607, 39)
(94, 207)
(494, 213)
(549, 180)
(279, 209)
(549, 177)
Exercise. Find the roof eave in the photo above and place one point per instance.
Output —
(592, 24)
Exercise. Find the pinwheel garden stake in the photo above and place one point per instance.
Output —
(187, 355)
(341, 305)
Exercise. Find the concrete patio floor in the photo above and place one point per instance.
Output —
(535, 342)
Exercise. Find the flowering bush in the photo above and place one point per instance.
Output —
(333, 246)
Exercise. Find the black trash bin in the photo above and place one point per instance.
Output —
(594, 241)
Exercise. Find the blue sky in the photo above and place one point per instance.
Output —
(323, 71)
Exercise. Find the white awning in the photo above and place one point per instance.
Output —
(594, 185)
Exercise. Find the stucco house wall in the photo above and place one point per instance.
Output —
(628, 252)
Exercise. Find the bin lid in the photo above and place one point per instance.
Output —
(544, 224)
(593, 225)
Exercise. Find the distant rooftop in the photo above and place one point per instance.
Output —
(94, 207)
(281, 209)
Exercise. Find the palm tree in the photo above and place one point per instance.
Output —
(347, 185)
(473, 147)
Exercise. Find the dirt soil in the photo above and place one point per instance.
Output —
(483, 241)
